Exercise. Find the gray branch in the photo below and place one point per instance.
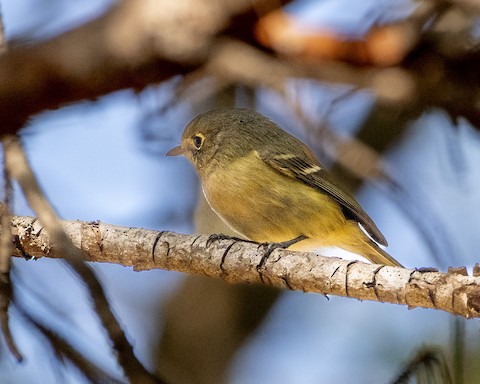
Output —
(237, 261)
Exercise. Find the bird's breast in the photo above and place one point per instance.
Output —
(266, 206)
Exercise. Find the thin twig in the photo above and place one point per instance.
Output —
(64, 350)
(428, 363)
(3, 40)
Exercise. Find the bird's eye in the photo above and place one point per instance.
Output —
(198, 140)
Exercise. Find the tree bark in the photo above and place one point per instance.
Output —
(238, 261)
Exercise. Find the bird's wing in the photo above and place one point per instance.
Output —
(312, 174)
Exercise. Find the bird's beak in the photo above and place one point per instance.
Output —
(176, 151)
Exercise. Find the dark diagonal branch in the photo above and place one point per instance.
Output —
(66, 352)
(6, 289)
(62, 246)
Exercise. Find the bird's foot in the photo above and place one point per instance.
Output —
(221, 236)
(270, 247)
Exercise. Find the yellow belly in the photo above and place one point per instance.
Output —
(266, 206)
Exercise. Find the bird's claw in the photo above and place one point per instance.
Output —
(220, 236)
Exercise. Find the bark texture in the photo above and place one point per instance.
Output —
(237, 261)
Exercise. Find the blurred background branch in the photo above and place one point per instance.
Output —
(430, 66)
(19, 169)
(135, 43)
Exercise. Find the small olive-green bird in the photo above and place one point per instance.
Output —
(268, 186)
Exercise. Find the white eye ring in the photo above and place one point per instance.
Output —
(198, 140)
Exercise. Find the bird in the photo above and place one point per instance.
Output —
(269, 187)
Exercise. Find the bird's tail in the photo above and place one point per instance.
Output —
(375, 254)
(350, 238)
